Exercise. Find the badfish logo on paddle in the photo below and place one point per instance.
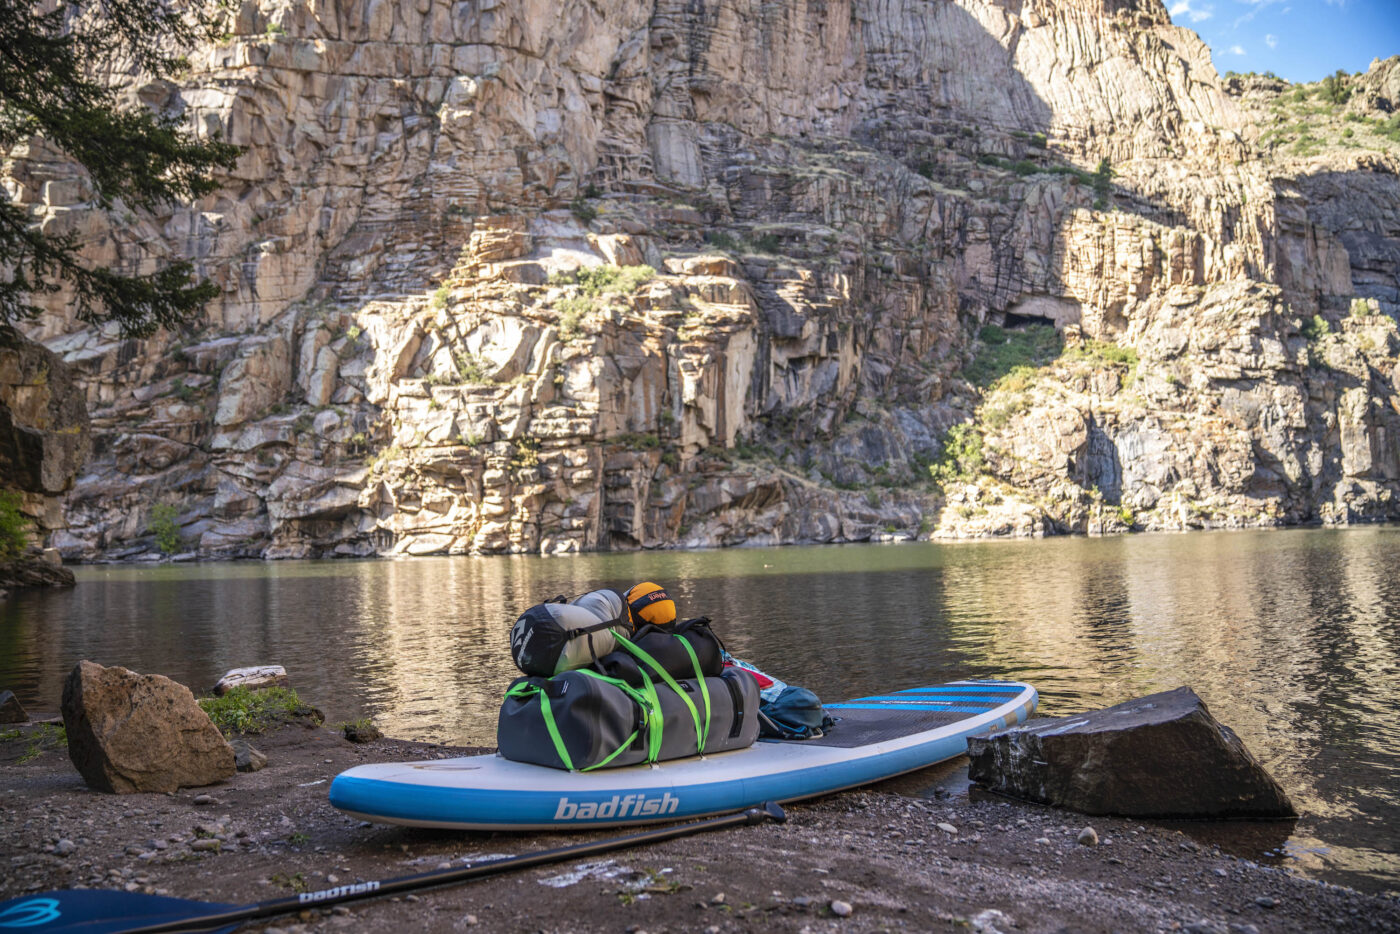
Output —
(30, 914)
(617, 806)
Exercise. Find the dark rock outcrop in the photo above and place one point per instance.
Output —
(11, 710)
(1163, 755)
(24, 573)
(129, 732)
(44, 432)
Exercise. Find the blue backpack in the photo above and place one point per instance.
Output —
(796, 713)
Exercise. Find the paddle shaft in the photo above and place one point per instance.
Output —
(361, 890)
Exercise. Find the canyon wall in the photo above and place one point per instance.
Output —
(514, 276)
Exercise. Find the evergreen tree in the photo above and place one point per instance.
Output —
(50, 87)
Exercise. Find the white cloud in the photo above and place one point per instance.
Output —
(1271, 41)
(1194, 14)
(1256, 6)
(1236, 50)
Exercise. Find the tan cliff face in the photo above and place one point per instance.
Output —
(436, 334)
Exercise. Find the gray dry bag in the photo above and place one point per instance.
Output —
(581, 720)
(552, 637)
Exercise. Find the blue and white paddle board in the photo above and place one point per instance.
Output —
(875, 738)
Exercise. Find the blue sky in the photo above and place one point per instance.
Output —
(1301, 40)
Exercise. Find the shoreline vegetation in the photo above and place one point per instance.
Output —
(887, 857)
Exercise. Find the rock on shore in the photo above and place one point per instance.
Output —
(1163, 755)
(130, 733)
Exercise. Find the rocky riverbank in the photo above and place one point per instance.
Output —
(890, 857)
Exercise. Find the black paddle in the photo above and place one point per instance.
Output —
(95, 911)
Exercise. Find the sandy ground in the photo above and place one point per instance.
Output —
(893, 860)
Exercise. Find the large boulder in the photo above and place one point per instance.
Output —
(129, 732)
(1163, 755)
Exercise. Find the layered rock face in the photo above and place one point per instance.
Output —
(436, 334)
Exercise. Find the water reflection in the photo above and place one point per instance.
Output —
(1291, 638)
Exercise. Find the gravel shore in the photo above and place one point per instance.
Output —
(871, 860)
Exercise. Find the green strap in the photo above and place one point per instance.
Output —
(652, 720)
(704, 691)
(702, 729)
(656, 722)
(646, 699)
(524, 691)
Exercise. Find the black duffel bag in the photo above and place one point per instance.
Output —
(582, 720)
(685, 650)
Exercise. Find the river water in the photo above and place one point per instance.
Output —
(1291, 637)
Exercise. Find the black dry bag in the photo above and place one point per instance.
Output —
(552, 637)
(686, 650)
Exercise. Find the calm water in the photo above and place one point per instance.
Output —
(1292, 638)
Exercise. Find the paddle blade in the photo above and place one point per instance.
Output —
(97, 911)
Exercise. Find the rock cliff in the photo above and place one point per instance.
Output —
(515, 276)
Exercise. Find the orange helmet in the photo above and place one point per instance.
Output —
(648, 603)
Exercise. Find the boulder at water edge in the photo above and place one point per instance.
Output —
(1162, 755)
(11, 711)
(129, 732)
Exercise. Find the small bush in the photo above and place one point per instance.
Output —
(1003, 350)
(961, 459)
(1315, 328)
(1105, 353)
(601, 280)
(165, 526)
(583, 210)
(766, 243)
(245, 711)
(1334, 89)
(470, 368)
(571, 313)
(14, 527)
(1103, 185)
(440, 297)
(1039, 141)
(722, 240)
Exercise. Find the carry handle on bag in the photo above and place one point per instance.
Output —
(675, 648)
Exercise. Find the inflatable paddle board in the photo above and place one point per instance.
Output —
(875, 738)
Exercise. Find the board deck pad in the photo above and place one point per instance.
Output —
(875, 738)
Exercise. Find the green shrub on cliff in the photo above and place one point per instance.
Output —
(961, 459)
(1103, 185)
(1315, 329)
(14, 527)
(165, 526)
(624, 280)
(1003, 350)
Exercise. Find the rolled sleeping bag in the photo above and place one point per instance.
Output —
(582, 720)
(552, 637)
(665, 647)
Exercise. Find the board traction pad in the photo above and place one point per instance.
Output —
(867, 720)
